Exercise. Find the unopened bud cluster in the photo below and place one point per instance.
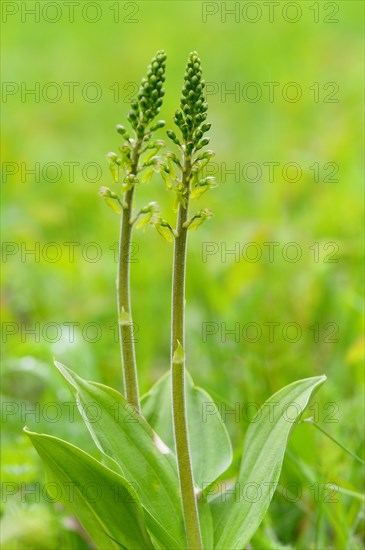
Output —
(191, 118)
(150, 95)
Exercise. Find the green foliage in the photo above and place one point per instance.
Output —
(237, 516)
(131, 448)
(137, 486)
(211, 451)
(113, 516)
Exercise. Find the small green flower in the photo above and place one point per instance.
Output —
(110, 198)
(199, 218)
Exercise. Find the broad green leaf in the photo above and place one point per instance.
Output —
(123, 435)
(104, 502)
(206, 523)
(211, 450)
(161, 538)
(238, 512)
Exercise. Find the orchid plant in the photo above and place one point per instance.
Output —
(160, 473)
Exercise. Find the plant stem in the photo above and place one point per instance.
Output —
(126, 327)
(348, 451)
(181, 434)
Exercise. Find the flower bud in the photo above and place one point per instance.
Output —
(121, 130)
(205, 155)
(173, 137)
(105, 192)
(202, 143)
(174, 158)
(206, 127)
(198, 135)
(132, 116)
(157, 125)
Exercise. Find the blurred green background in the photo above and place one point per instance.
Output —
(316, 123)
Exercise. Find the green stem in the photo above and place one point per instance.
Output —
(126, 328)
(181, 433)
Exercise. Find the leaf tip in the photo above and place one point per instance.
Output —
(70, 376)
(322, 379)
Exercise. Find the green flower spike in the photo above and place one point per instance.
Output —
(186, 177)
(134, 164)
